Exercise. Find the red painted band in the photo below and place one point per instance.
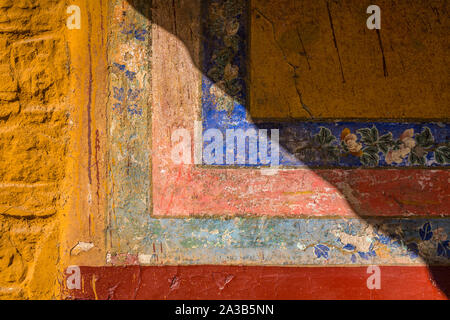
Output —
(187, 190)
(245, 282)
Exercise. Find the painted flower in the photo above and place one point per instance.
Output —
(222, 100)
(397, 156)
(407, 138)
(230, 72)
(350, 141)
(232, 27)
(408, 133)
(217, 91)
(352, 145)
(407, 144)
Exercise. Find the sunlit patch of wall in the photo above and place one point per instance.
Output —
(51, 82)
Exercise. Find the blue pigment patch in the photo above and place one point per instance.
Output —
(346, 144)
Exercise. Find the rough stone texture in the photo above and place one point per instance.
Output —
(33, 138)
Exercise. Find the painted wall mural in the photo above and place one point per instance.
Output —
(166, 214)
(313, 144)
(224, 149)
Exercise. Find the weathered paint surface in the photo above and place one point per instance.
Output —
(128, 114)
(249, 79)
(225, 282)
(192, 191)
(192, 214)
(317, 59)
(51, 142)
(280, 241)
(87, 179)
(84, 219)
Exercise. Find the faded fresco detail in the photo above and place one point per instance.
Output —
(274, 241)
(223, 58)
(94, 206)
(313, 144)
(199, 215)
(128, 113)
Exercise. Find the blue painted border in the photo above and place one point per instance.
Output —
(224, 98)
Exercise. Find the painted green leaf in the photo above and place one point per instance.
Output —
(371, 150)
(368, 136)
(223, 57)
(330, 139)
(374, 133)
(397, 144)
(369, 159)
(233, 87)
(215, 26)
(442, 155)
(365, 135)
(385, 142)
(325, 136)
(425, 138)
(418, 160)
(344, 146)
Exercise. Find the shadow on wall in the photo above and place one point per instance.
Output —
(360, 73)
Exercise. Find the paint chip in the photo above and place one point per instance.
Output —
(81, 247)
(269, 172)
(145, 258)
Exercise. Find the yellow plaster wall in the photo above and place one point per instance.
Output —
(318, 59)
(51, 82)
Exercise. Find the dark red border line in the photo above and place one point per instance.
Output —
(258, 282)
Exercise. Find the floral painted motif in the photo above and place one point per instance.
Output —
(435, 239)
(126, 101)
(311, 144)
(222, 29)
(321, 250)
(135, 32)
(370, 147)
(427, 244)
